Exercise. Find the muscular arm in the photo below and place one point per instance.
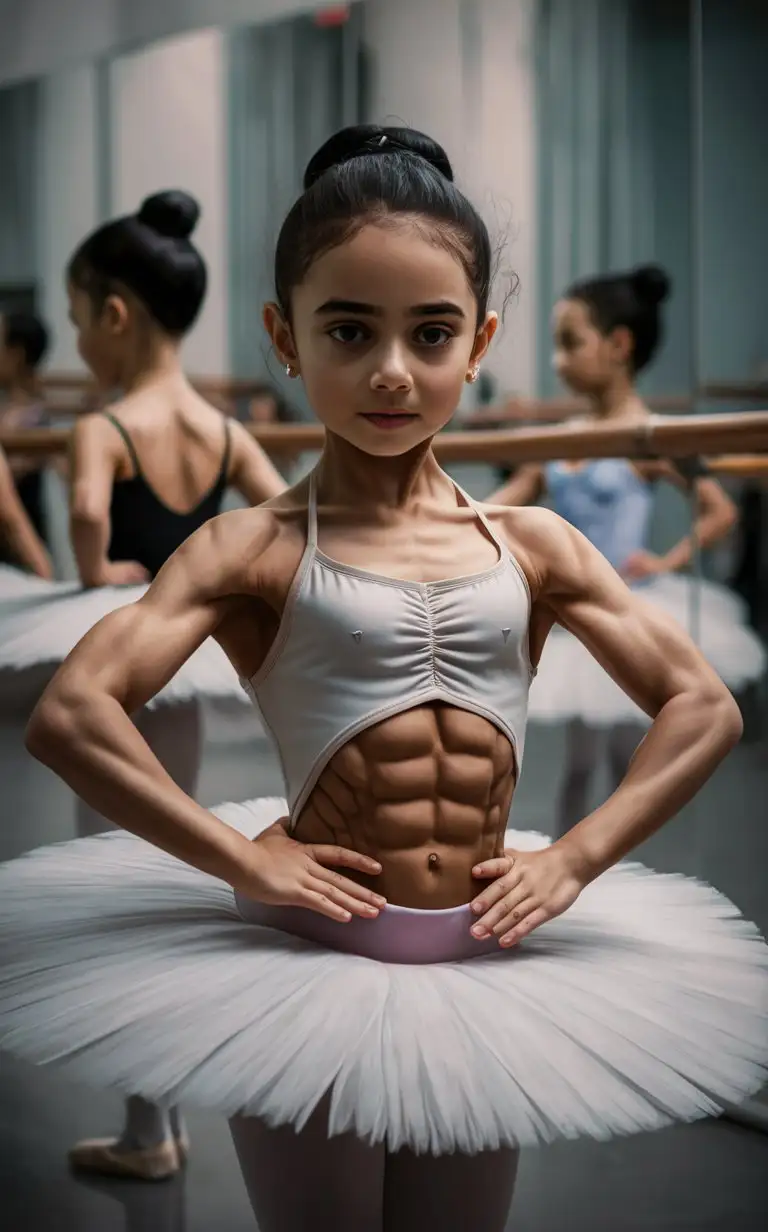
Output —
(81, 727)
(16, 527)
(93, 459)
(252, 473)
(696, 722)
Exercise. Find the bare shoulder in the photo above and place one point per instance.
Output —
(541, 541)
(95, 427)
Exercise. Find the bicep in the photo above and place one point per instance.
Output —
(132, 653)
(647, 653)
(91, 470)
(253, 474)
(693, 473)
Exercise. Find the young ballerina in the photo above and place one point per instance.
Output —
(23, 344)
(606, 331)
(341, 973)
(19, 541)
(144, 476)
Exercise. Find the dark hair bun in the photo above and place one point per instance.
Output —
(173, 214)
(651, 284)
(362, 139)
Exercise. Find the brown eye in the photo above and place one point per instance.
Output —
(433, 335)
(348, 333)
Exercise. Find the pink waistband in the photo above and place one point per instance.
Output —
(396, 935)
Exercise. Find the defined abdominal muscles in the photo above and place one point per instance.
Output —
(427, 793)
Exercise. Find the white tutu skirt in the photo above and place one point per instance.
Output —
(571, 684)
(38, 629)
(645, 1003)
(16, 583)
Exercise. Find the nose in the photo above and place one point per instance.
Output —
(392, 373)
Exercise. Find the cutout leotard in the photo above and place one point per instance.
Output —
(356, 647)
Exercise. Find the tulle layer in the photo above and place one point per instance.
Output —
(16, 584)
(570, 684)
(41, 628)
(646, 1002)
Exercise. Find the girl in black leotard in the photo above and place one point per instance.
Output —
(143, 478)
(23, 344)
(18, 537)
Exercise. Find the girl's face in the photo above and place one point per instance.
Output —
(383, 333)
(101, 336)
(584, 359)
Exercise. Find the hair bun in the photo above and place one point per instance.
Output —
(362, 139)
(651, 284)
(173, 214)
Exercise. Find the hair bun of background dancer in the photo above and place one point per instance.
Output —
(608, 329)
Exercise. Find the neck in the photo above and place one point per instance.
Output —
(348, 476)
(158, 363)
(619, 400)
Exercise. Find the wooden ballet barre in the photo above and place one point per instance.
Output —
(555, 410)
(221, 386)
(734, 391)
(658, 437)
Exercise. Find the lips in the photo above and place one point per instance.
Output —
(389, 419)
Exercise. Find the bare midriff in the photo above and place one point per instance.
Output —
(427, 794)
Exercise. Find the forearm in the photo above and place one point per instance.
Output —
(691, 735)
(90, 544)
(91, 743)
(27, 546)
(709, 528)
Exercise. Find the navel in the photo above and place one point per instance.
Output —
(433, 861)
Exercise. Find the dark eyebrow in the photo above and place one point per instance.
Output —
(443, 308)
(348, 305)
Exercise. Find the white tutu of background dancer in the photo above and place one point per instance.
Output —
(607, 329)
(41, 624)
(571, 684)
(646, 1002)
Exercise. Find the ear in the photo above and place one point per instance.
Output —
(622, 345)
(114, 315)
(280, 335)
(484, 337)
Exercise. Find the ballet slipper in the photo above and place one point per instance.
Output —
(157, 1163)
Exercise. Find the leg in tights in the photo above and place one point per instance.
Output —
(581, 759)
(455, 1193)
(307, 1181)
(622, 743)
(174, 735)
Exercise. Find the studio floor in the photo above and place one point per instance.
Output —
(709, 1177)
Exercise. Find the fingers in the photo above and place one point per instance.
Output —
(495, 892)
(505, 913)
(343, 857)
(535, 917)
(337, 904)
(314, 900)
(335, 884)
(494, 868)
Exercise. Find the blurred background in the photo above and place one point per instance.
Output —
(593, 135)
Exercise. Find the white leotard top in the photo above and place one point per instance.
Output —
(355, 647)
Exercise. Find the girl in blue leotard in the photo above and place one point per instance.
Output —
(606, 330)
